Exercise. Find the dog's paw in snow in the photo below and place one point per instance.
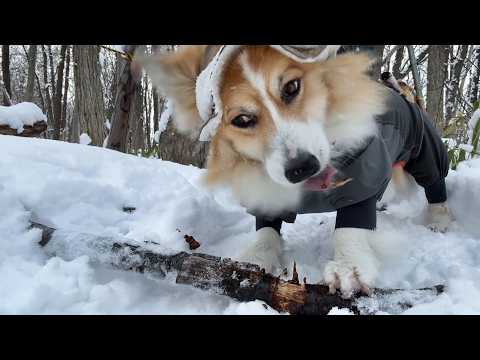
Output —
(266, 251)
(438, 217)
(355, 266)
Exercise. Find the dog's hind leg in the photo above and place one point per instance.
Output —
(439, 218)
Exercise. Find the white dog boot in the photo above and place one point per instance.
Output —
(355, 266)
(438, 217)
(266, 251)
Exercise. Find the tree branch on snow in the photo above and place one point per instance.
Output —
(28, 130)
(240, 281)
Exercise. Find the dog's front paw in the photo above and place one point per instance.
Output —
(355, 267)
(348, 279)
(266, 251)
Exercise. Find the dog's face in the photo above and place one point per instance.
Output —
(275, 112)
(280, 117)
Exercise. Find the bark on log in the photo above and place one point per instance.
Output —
(241, 281)
(28, 130)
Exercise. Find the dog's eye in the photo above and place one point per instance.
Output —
(245, 121)
(291, 90)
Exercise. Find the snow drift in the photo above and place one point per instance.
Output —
(85, 189)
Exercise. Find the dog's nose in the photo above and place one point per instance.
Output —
(301, 168)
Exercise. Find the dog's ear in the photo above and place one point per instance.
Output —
(354, 63)
(175, 75)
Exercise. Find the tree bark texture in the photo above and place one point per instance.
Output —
(6, 75)
(57, 98)
(89, 106)
(124, 102)
(32, 63)
(436, 77)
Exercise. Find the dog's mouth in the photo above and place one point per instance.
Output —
(323, 181)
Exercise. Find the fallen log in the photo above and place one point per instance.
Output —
(241, 281)
(28, 130)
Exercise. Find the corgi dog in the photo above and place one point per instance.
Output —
(281, 121)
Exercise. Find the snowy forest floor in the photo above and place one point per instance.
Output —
(85, 189)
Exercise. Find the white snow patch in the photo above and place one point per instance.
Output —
(336, 311)
(85, 139)
(19, 115)
(466, 148)
(164, 119)
(84, 189)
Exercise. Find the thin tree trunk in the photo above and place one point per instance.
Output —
(40, 94)
(416, 76)
(137, 136)
(397, 65)
(6, 75)
(32, 62)
(156, 117)
(65, 89)
(89, 106)
(436, 76)
(52, 71)
(454, 83)
(147, 105)
(57, 100)
(124, 101)
(474, 91)
(47, 86)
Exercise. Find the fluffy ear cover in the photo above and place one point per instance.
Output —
(175, 75)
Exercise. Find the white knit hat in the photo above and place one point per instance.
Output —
(208, 82)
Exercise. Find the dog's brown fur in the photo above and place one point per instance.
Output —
(341, 82)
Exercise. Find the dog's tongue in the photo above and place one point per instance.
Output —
(321, 182)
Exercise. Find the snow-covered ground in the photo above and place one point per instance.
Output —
(84, 189)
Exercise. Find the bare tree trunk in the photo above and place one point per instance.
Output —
(137, 136)
(52, 71)
(126, 89)
(416, 77)
(6, 75)
(156, 117)
(57, 99)
(436, 76)
(65, 90)
(47, 86)
(397, 65)
(40, 94)
(476, 76)
(147, 106)
(32, 62)
(181, 149)
(458, 62)
(89, 106)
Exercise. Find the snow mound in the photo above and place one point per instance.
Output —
(19, 115)
(85, 139)
(84, 190)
